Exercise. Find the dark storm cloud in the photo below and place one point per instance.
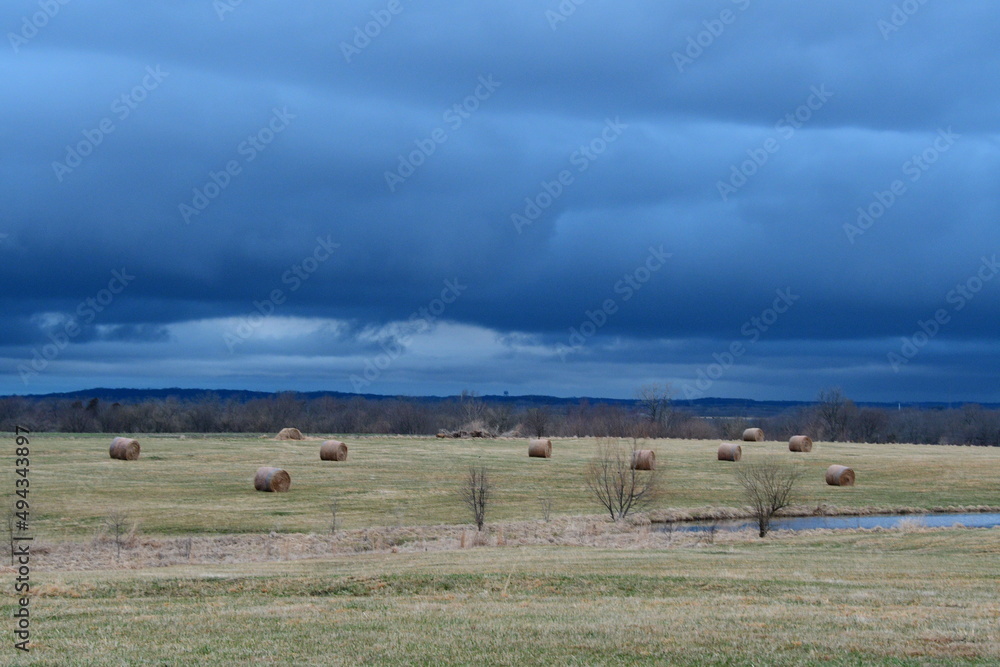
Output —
(536, 158)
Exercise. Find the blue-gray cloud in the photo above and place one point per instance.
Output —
(848, 153)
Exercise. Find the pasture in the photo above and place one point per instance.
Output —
(204, 484)
(574, 590)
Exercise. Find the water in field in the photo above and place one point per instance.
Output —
(986, 520)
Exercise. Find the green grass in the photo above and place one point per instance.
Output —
(893, 598)
(203, 484)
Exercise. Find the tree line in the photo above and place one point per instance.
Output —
(833, 417)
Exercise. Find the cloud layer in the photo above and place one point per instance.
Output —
(521, 198)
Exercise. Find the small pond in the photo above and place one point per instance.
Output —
(985, 520)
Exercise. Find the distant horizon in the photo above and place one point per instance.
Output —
(703, 399)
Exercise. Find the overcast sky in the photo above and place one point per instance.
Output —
(744, 198)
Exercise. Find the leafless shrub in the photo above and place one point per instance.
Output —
(669, 527)
(500, 418)
(732, 429)
(477, 492)
(835, 412)
(118, 524)
(536, 421)
(654, 404)
(473, 407)
(616, 485)
(767, 485)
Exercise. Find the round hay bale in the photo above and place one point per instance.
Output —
(800, 443)
(332, 450)
(643, 459)
(753, 435)
(839, 476)
(729, 451)
(124, 449)
(289, 434)
(540, 448)
(271, 479)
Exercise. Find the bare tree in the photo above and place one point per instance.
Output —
(768, 486)
(536, 420)
(833, 410)
(654, 403)
(870, 426)
(642, 429)
(500, 418)
(618, 486)
(732, 429)
(477, 491)
(669, 527)
(117, 523)
(473, 407)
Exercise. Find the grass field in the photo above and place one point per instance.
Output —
(202, 484)
(895, 598)
(899, 597)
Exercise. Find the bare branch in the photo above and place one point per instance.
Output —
(118, 523)
(768, 485)
(618, 486)
(477, 493)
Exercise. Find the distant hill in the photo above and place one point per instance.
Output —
(704, 407)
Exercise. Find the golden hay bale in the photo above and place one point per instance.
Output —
(271, 479)
(540, 448)
(753, 435)
(289, 434)
(800, 443)
(643, 459)
(125, 449)
(729, 451)
(332, 450)
(839, 476)
(442, 435)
